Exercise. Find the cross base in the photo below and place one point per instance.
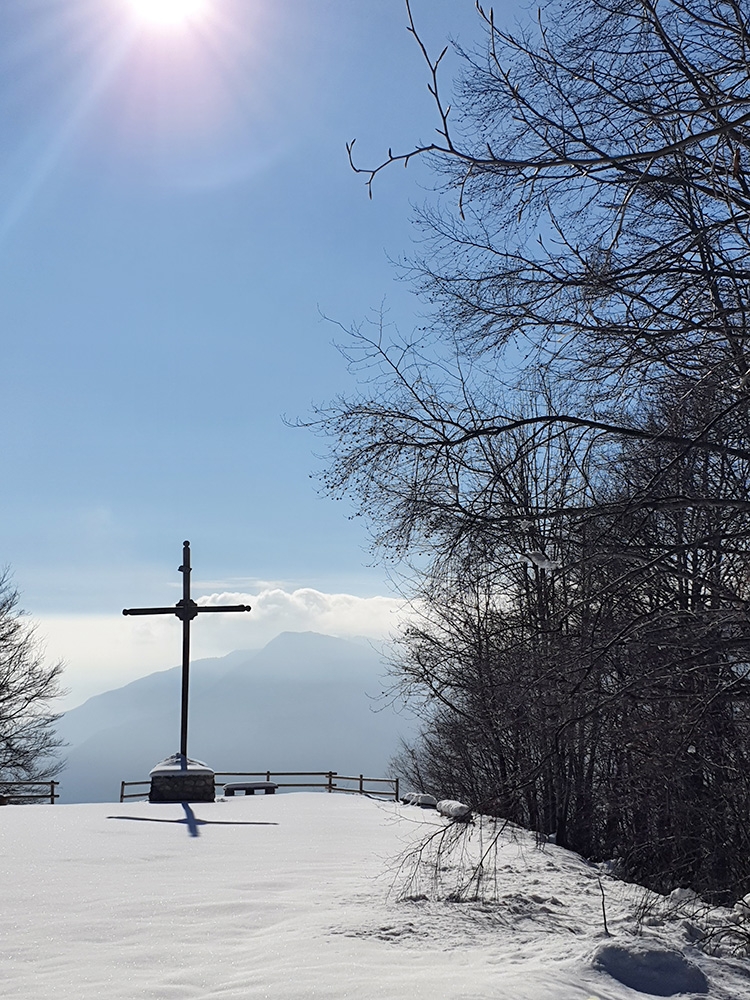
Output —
(178, 779)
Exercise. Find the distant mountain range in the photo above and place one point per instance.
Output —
(305, 701)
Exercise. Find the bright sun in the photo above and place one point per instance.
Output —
(168, 13)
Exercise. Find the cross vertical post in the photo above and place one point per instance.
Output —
(186, 610)
(187, 617)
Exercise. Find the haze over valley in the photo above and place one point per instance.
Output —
(304, 701)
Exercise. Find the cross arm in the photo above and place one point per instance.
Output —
(223, 607)
(150, 611)
(193, 609)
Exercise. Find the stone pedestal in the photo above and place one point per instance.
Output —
(177, 779)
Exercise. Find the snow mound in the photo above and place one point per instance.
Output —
(453, 809)
(649, 970)
(420, 799)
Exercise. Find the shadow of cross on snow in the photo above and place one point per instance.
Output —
(193, 822)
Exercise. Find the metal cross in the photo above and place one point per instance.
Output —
(185, 610)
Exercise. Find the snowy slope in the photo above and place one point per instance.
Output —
(296, 896)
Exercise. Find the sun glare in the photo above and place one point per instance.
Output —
(168, 13)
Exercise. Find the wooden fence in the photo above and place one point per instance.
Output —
(19, 792)
(330, 781)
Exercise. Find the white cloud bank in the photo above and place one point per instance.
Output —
(107, 651)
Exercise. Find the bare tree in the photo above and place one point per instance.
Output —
(27, 687)
(596, 224)
(562, 454)
(606, 707)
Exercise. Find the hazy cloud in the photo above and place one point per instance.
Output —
(106, 651)
(276, 610)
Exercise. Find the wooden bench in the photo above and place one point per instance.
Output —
(250, 787)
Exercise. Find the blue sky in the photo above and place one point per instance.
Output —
(177, 214)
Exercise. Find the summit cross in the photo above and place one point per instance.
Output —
(185, 610)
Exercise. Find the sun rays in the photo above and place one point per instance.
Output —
(168, 14)
(157, 89)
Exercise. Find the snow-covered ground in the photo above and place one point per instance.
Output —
(299, 896)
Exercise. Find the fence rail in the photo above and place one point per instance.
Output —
(21, 792)
(133, 795)
(332, 781)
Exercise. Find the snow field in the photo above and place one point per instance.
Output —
(296, 896)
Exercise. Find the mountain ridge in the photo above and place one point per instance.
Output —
(304, 701)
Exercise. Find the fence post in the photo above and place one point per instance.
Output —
(268, 775)
(52, 792)
(361, 786)
(396, 789)
(330, 781)
(122, 791)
